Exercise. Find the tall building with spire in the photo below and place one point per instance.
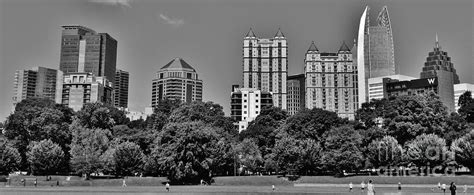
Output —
(177, 80)
(436, 61)
(375, 50)
(331, 81)
(265, 65)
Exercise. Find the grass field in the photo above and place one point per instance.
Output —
(234, 190)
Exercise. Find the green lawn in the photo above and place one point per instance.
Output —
(234, 190)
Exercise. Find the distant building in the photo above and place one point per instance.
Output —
(331, 81)
(265, 65)
(295, 93)
(438, 60)
(375, 51)
(82, 88)
(38, 82)
(246, 104)
(135, 115)
(121, 88)
(84, 50)
(177, 80)
(377, 85)
(425, 85)
(460, 89)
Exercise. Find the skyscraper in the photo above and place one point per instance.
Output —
(296, 93)
(121, 88)
(331, 81)
(436, 61)
(265, 62)
(38, 82)
(84, 50)
(176, 80)
(375, 50)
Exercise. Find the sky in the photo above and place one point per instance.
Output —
(208, 35)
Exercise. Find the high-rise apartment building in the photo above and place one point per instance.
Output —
(438, 60)
(38, 82)
(82, 88)
(296, 93)
(331, 81)
(84, 50)
(121, 88)
(460, 89)
(375, 50)
(265, 65)
(177, 80)
(247, 104)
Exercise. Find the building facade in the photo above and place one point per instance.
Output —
(460, 89)
(438, 60)
(38, 82)
(375, 51)
(377, 86)
(84, 50)
(436, 84)
(82, 88)
(296, 93)
(121, 88)
(331, 81)
(265, 65)
(247, 104)
(177, 80)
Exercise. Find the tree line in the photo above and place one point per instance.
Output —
(187, 142)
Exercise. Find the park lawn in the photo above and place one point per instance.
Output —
(251, 181)
(78, 181)
(459, 180)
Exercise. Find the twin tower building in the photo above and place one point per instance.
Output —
(338, 81)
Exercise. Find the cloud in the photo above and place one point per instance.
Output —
(123, 3)
(173, 21)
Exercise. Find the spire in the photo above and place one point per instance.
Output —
(313, 47)
(344, 47)
(250, 33)
(437, 42)
(279, 34)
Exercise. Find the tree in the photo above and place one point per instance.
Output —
(466, 103)
(384, 152)
(427, 150)
(87, 147)
(10, 158)
(250, 156)
(186, 152)
(206, 112)
(371, 111)
(463, 149)
(123, 159)
(456, 127)
(45, 157)
(36, 119)
(341, 150)
(97, 115)
(142, 137)
(297, 156)
(161, 112)
(129, 159)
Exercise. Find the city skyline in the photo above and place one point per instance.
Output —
(220, 65)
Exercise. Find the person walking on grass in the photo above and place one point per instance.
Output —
(452, 188)
(167, 187)
(350, 187)
(443, 187)
(370, 188)
(123, 183)
(362, 186)
(465, 188)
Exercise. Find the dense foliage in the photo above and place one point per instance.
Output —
(189, 142)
